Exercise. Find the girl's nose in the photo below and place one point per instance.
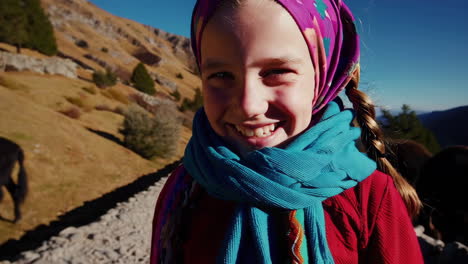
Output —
(252, 98)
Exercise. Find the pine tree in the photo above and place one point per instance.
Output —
(142, 80)
(24, 24)
(406, 125)
(13, 21)
(39, 28)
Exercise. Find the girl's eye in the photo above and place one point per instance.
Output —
(279, 76)
(221, 75)
(275, 72)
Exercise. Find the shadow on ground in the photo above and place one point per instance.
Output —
(90, 212)
(107, 136)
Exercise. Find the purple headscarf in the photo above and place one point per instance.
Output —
(329, 31)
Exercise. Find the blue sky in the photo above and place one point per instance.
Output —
(412, 51)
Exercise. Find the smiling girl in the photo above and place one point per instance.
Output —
(272, 173)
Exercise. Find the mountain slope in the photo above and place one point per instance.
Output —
(97, 39)
(449, 126)
(67, 163)
(74, 160)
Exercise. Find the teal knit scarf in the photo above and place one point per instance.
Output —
(318, 164)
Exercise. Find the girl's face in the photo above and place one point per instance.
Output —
(257, 76)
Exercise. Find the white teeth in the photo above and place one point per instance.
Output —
(258, 132)
(271, 127)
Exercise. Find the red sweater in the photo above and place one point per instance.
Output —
(365, 224)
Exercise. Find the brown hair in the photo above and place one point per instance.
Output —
(373, 141)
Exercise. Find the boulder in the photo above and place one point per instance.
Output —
(52, 65)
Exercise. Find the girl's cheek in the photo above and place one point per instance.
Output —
(295, 96)
(286, 91)
(218, 91)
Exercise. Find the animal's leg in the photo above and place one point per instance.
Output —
(5, 174)
(1, 197)
(12, 188)
(6, 169)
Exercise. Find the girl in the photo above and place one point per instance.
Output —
(272, 173)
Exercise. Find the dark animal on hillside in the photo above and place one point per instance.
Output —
(10, 153)
(443, 188)
(408, 158)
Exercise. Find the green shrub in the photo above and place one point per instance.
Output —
(176, 95)
(179, 75)
(193, 104)
(149, 135)
(142, 80)
(104, 49)
(104, 79)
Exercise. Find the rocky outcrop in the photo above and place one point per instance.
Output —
(52, 65)
(99, 61)
(161, 80)
(153, 101)
(75, 60)
(147, 57)
(73, 12)
(154, 49)
(181, 47)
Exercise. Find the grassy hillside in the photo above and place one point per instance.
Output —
(69, 161)
(69, 128)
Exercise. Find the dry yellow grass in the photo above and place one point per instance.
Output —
(67, 163)
(12, 49)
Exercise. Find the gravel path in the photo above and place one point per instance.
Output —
(122, 235)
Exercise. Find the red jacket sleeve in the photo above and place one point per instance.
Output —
(159, 211)
(391, 236)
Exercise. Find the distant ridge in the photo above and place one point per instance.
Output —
(449, 126)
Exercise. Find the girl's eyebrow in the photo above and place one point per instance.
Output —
(278, 61)
(210, 64)
(213, 63)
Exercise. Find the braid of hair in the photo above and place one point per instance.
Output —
(372, 139)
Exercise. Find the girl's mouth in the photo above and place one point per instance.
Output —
(247, 137)
(258, 132)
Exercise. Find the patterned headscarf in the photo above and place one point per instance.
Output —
(329, 30)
